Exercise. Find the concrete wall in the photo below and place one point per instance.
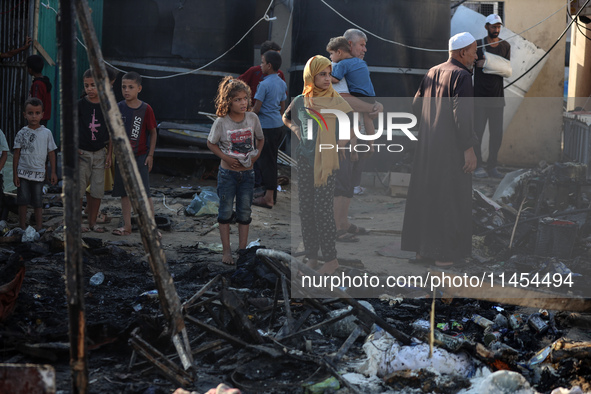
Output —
(282, 12)
(535, 132)
(579, 86)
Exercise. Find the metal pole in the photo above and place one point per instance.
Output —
(71, 177)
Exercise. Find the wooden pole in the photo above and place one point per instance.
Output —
(36, 24)
(69, 130)
(169, 299)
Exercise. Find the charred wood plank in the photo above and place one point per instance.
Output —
(168, 368)
(237, 311)
(566, 349)
(71, 176)
(187, 304)
(169, 299)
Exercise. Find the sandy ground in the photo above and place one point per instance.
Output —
(279, 228)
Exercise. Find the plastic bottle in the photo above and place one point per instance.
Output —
(97, 279)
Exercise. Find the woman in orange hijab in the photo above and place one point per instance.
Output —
(316, 166)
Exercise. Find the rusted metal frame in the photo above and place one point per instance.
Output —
(214, 316)
(275, 301)
(213, 345)
(362, 313)
(288, 326)
(236, 309)
(169, 299)
(157, 354)
(206, 301)
(66, 34)
(216, 331)
(167, 367)
(187, 304)
(347, 344)
(202, 349)
(270, 263)
(317, 326)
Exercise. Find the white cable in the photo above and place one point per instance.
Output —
(49, 7)
(427, 49)
(287, 28)
(164, 203)
(265, 17)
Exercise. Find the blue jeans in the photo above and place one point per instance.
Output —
(30, 192)
(239, 185)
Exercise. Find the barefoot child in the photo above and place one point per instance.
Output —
(33, 144)
(93, 138)
(269, 105)
(140, 126)
(232, 138)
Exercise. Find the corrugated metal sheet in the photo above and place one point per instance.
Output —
(16, 23)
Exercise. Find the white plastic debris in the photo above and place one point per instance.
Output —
(257, 242)
(97, 279)
(3, 227)
(30, 235)
(385, 355)
(562, 390)
(504, 382)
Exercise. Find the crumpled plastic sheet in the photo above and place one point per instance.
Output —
(385, 356)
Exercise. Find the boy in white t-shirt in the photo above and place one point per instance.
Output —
(33, 144)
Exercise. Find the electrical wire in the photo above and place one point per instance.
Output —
(435, 50)
(287, 28)
(265, 17)
(552, 47)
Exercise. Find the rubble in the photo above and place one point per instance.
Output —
(250, 329)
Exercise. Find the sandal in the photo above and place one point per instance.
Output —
(121, 231)
(98, 229)
(353, 229)
(84, 230)
(344, 236)
(103, 218)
